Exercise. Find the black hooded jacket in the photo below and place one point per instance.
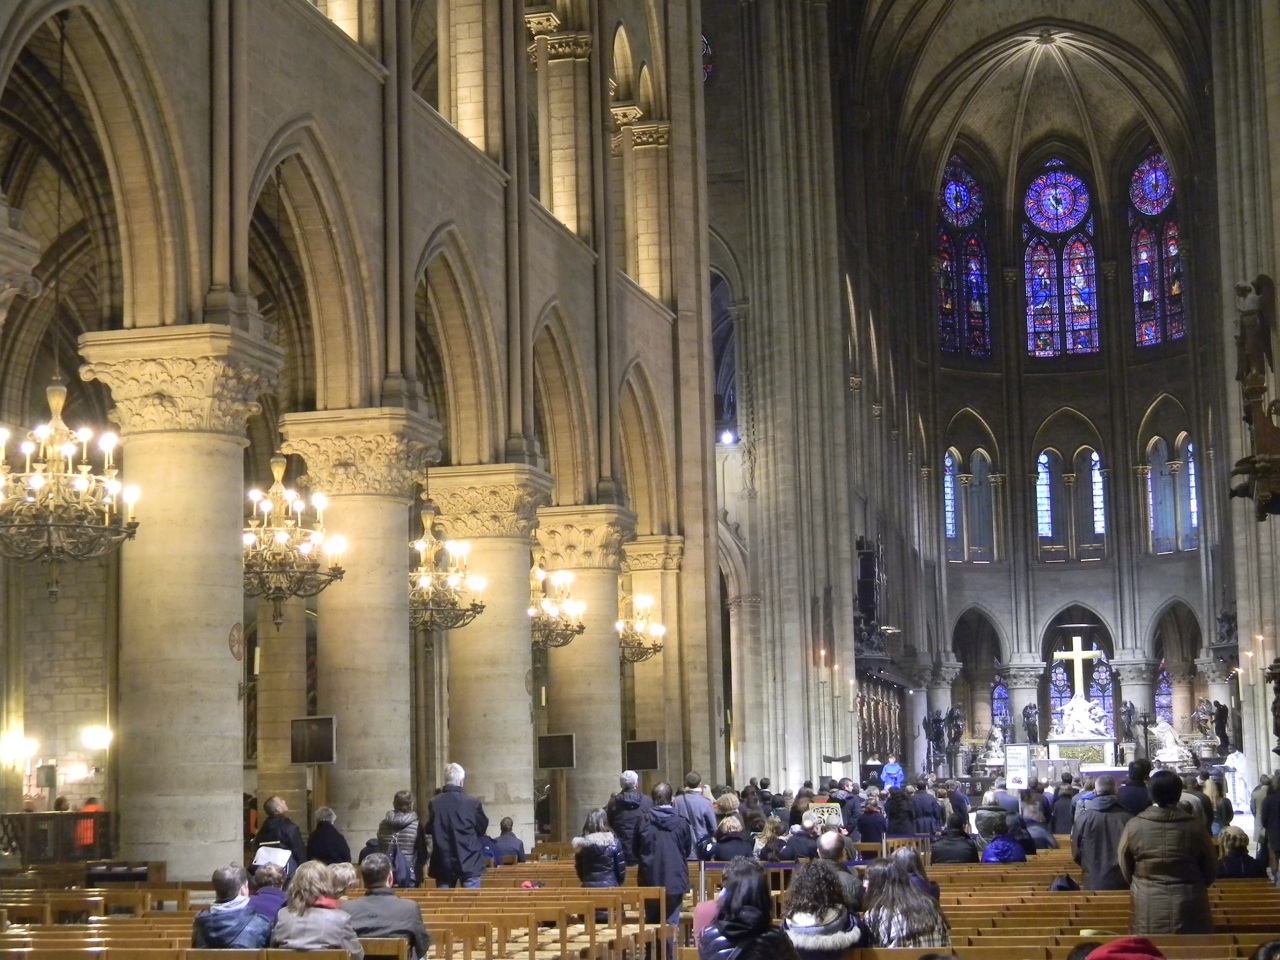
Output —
(626, 812)
(750, 934)
(660, 847)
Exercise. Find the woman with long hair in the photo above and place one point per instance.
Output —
(899, 915)
(899, 813)
(597, 855)
(910, 860)
(772, 841)
(743, 925)
(310, 918)
(816, 918)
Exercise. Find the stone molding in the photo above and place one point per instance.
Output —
(750, 600)
(203, 378)
(1214, 670)
(541, 20)
(651, 135)
(562, 46)
(1135, 671)
(499, 501)
(652, 553)
(1023, 676)
(625, 113)
(369, 452)
(1181, 674)
(945, 674)
(584, 537)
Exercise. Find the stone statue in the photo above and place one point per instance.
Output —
(1006, 728)
(1031, 722)
(1127, 711)
(993, 754)
(1171, 749)
(1204, 718)
(1221, 716)
(955, 726)
(1083, 719)
(1255, 302)
(1238, 789)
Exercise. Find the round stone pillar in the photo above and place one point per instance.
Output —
(1218, 680)
(282, 698)
(490, 671)
(583, 678)
(1024, 688)
(366, 462)
(980, 719)
(1182, 689)
(182, 397)
(917, 745)
(1136, 677)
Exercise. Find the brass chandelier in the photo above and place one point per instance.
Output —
(442, 594)
(282, 548)
(53, 506)
(555, 618)
(639, 636)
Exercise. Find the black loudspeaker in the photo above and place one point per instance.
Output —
(556, 751)
(642, 755)
(313, 740)
(47, 776)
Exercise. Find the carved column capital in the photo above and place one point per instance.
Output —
(652, 553)
(625, 113)
(1023, 676)
(1181, 674)
(1140, 672)
(996, 479)
(584, 537)
(203, 378)
(945, 674)
(1214, 670)
(372, 452)
(568, 46)
(651, 135)
(497, 500)
(541, 20)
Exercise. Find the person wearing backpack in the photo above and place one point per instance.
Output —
(279, 831)
(400, 838)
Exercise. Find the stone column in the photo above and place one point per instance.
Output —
(1182, 686)
(182, 395)
(13, 759)
(583, 682)
(282, 697)
(653, 564)
(1217, 675)
(917, 747)
(1136, 678)
(365, 461)
(562, 61)
(649, 200)
(751, 750)
(1024, 688)
(491, 733)
(980, 719)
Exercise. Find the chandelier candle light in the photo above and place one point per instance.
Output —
(53, 507)
(555, 617)
(281, 548)
(639, 637)
(439, 587)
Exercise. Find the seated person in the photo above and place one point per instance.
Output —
(508, 844)
(230, 923)
(1236, 864)
(955, 845)
(267, 884)
(1002, 848)
(311, 919)
(380, 913)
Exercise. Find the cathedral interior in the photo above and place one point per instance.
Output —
(792, 372)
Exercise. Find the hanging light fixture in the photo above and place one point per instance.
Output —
(56, 508)
(440, 587)
(639, 637)
(282, 547)
(555, 618)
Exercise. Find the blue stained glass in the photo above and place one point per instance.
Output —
(1146, 287)
(1059, 692)
(1056, 201)
(977, 322)
(945, 295)
(1082, 306)
(1044, 337)
(949, 496)
(1099, 507)
(1176, 324)
(960, 197)
(1164, 695)
(1193, 505)
(1150, 186)
(1101, 689)
(1044, 503)
(1000, 718)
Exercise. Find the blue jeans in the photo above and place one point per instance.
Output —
(467, 883)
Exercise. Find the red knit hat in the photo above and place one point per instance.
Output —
(1127, 948)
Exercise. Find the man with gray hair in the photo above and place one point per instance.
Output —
(230, 924)
(457, 823)
(1095, 837)
(627, 811)
(803, 842)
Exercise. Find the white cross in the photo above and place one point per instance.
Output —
(1077, 655)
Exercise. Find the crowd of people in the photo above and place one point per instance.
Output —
(1150, 834)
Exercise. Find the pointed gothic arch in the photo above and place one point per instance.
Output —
(646, 460)
(622, 68)
(561, 405)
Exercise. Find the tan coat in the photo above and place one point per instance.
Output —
(1166, 855)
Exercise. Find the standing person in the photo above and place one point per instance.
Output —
(1134, 796)
(86, 828)
(900, 813)
(230, 923)
(401, 825)
(1095, 837)
(311, 919)
(278, 829)
(959, 799)
(955, 845)
(662, 843)
(926, 811)
(456, 822)
(627, 810)
(872, 825)
(326, 843)
(1271, 819)
(697, 809)
(508, 844)
(1063, 817)
(1167, 856)
(598, 859)
(380, 913)
(892, 774)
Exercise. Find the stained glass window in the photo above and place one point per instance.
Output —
(1059, 265)
(1164, 695)
(961, 294)
(1156, 258)
(1101, 691)
(979, 526)
(1160, 499)
(949, 497)
(1095, 489)
(1193, 503)
(1000, 718)
(1044, 502)
(1059, 692)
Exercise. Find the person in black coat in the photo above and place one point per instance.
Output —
(955, 845)
(627, 810)
(926, 810)
(872, 825)
(1236, 864)
(597, 855)
(662, 844)
(278, 829)
(1133, 796)
(900, 814)
(456, 822)
(1064, 810)
(326, 843)
(803, 843)
(743, 924)
(730, 841)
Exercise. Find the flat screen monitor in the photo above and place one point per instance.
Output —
(556, 751)
(642, 755)
(313, 740)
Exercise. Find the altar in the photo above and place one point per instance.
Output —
(1081, 733)
(1084, 750)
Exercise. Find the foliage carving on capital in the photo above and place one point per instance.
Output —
(1023, 676)
(584, 541)
(203, 394)
(490, 509)
(377, 464)
(1214, 670)
(945, 674)
(1140, 672)
(653, 553)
